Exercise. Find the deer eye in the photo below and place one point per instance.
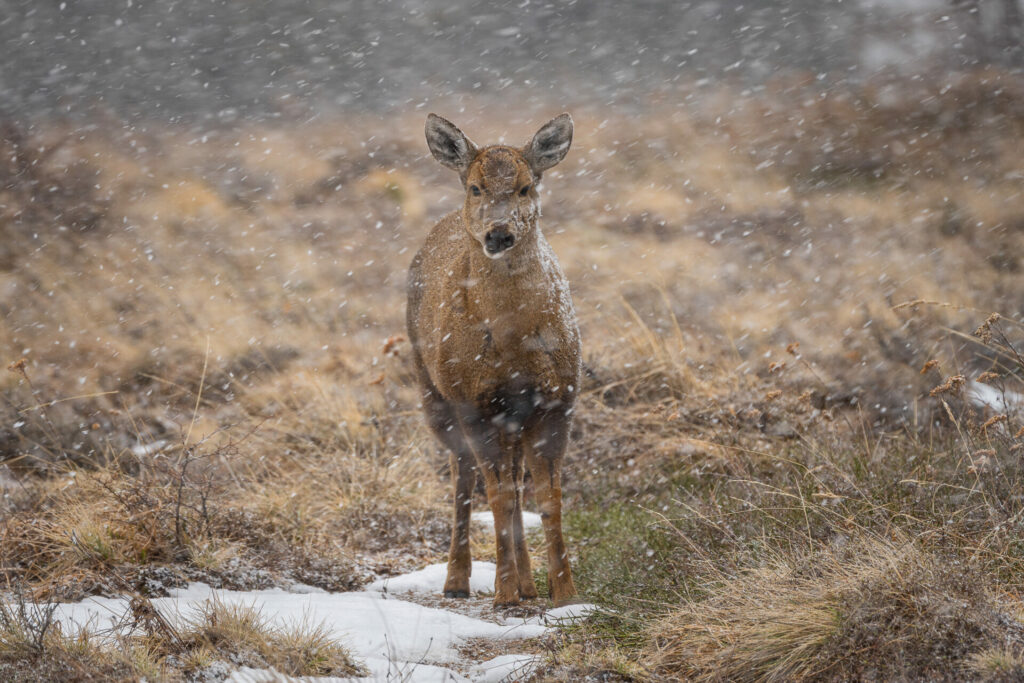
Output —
(522, 192)
(475, 190)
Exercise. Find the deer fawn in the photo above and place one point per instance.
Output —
(497, 351)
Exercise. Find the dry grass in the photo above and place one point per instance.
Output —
(879, 611)
(215, 384)
(246, 637)
(33, 645)
(896, 558)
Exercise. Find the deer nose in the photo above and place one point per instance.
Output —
(498, 239)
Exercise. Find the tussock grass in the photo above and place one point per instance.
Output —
(244, 634)
(881, 610)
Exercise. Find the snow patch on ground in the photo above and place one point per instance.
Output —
(369, 623)
(146, 449)
(431, 579)
(531, 520)
(986, 396)
(505, 668)
(396, 639)
(381, 670)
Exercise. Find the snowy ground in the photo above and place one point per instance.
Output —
(999, 401)
(396, 639)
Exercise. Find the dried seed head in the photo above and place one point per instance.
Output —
(952, 385)
(929, 365)
(994, 420)
(981, 460)
(984, 331)
(987, 376)
(18, 367)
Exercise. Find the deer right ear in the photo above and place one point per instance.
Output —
(550, 144)
(448, 144)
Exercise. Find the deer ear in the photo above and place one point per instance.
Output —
(448, 144)
(550, 145)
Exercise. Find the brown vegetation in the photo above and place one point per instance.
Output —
(207, 379)
(876, 611)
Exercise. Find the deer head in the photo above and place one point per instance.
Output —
(502, 205)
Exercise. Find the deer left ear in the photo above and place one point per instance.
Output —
(448, 144)
(550, 145)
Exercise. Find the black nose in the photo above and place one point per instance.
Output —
(498, 240)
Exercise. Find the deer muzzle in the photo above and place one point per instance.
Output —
(498, 240)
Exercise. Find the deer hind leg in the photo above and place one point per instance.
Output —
(527, 587)
(441, 418)
(544, 443)
(494, 458)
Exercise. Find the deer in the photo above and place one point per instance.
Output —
(497, 352)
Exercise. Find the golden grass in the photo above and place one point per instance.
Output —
(998, 663)
(299, 649)
(880, 608)
(737, 267)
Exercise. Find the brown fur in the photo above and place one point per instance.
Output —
(498, 354)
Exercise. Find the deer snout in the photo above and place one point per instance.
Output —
(498, 239)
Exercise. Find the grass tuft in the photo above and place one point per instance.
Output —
(879, 611)
(243, 633)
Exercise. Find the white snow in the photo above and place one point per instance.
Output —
(145, 449)
(986, 396)
(505, 668)
(531, 520)
(380, 670)
(430, 579)
(368, 623)
(395, 639)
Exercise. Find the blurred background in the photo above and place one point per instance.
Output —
(793, 231)
(219, 60)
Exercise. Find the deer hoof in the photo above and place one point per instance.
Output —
(456, 594)
(506, 600)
